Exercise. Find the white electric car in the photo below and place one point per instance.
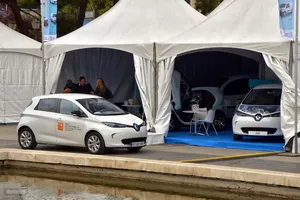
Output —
(259, 113)
(285, 9)
(80, 120)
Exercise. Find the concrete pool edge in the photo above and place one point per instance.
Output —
(134, 168)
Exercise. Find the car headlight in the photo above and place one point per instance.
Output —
(114, 125)
(241, 114)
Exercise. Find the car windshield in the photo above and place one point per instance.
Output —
(99, 106)
(263, 97)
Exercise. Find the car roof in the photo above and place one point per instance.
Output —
(268, 86)
(70, 96)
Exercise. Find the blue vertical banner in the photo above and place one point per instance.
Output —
(50, 13)
(286, 18)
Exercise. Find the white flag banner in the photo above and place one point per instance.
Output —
(286, 18)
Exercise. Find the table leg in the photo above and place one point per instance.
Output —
(195, 121)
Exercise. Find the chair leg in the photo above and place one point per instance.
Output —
(206, 129)
(191, 126)
(215, 129)
(200, 126)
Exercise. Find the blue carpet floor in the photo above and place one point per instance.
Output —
(224, 140)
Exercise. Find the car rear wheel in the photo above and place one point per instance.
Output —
(220, 121)
(95, 143)
(26, 139)
(134, 149)
(237, 137)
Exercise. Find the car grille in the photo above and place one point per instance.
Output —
(269, 130)
(128, 141)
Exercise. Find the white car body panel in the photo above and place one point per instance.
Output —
(45, 125)
(269, 122)
(215, 92)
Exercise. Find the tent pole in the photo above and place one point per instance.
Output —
(296, 74)
(43, 49)
(155, 84)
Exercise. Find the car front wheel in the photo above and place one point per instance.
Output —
(95, 143)
(26, 139)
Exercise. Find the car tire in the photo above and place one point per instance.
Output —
(237, 137)
(220, 121)
(95, 143)
(134, 149)
(26, 139)
(173, 125)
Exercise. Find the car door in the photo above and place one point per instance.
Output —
(45, 120)
(71, 129)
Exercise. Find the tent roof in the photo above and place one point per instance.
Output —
(13, 41)
(131, 25)
(244, 24)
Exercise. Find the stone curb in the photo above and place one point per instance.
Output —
(271, 178)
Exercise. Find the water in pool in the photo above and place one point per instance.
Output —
(29, 187)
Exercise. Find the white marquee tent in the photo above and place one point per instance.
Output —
(20, 73)
(249, 25)
(133, 26)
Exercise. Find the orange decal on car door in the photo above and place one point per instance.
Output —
(60, 126)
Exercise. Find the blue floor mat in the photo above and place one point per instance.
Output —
(224, 140)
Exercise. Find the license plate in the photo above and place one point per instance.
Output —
(137, 144)
(263, 133)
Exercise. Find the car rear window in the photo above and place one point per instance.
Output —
(48, 105)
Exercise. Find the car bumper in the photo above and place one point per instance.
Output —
(125, 137)
(269, 126)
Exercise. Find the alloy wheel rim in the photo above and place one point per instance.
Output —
(220, 123)
(25, 139)
(94, 143)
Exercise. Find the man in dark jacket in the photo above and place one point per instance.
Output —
(83, 87)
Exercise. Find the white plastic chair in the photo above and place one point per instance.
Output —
(209, 121)
(201, 115)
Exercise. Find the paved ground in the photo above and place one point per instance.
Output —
(226, 157)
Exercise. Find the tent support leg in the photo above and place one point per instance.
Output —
(155, 99)
(296, 74)
(43, 51)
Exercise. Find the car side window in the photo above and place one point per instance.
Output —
(47, 105)
(67, 107)
(237, 87)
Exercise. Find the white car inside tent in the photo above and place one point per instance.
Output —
(20, 73)
(250, 25)
(128, 28)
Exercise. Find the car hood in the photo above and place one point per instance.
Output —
(127, 119)
(255, 109)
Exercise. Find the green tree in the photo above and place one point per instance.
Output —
(206, 6)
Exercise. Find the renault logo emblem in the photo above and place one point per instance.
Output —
(136, 127)
(258, 117)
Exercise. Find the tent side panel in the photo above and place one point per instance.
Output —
(21, 76)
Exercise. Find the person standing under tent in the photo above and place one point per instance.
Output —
(101, 89)
(69, 87)
(83, 87)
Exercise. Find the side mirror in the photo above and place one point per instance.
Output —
(77, 113)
